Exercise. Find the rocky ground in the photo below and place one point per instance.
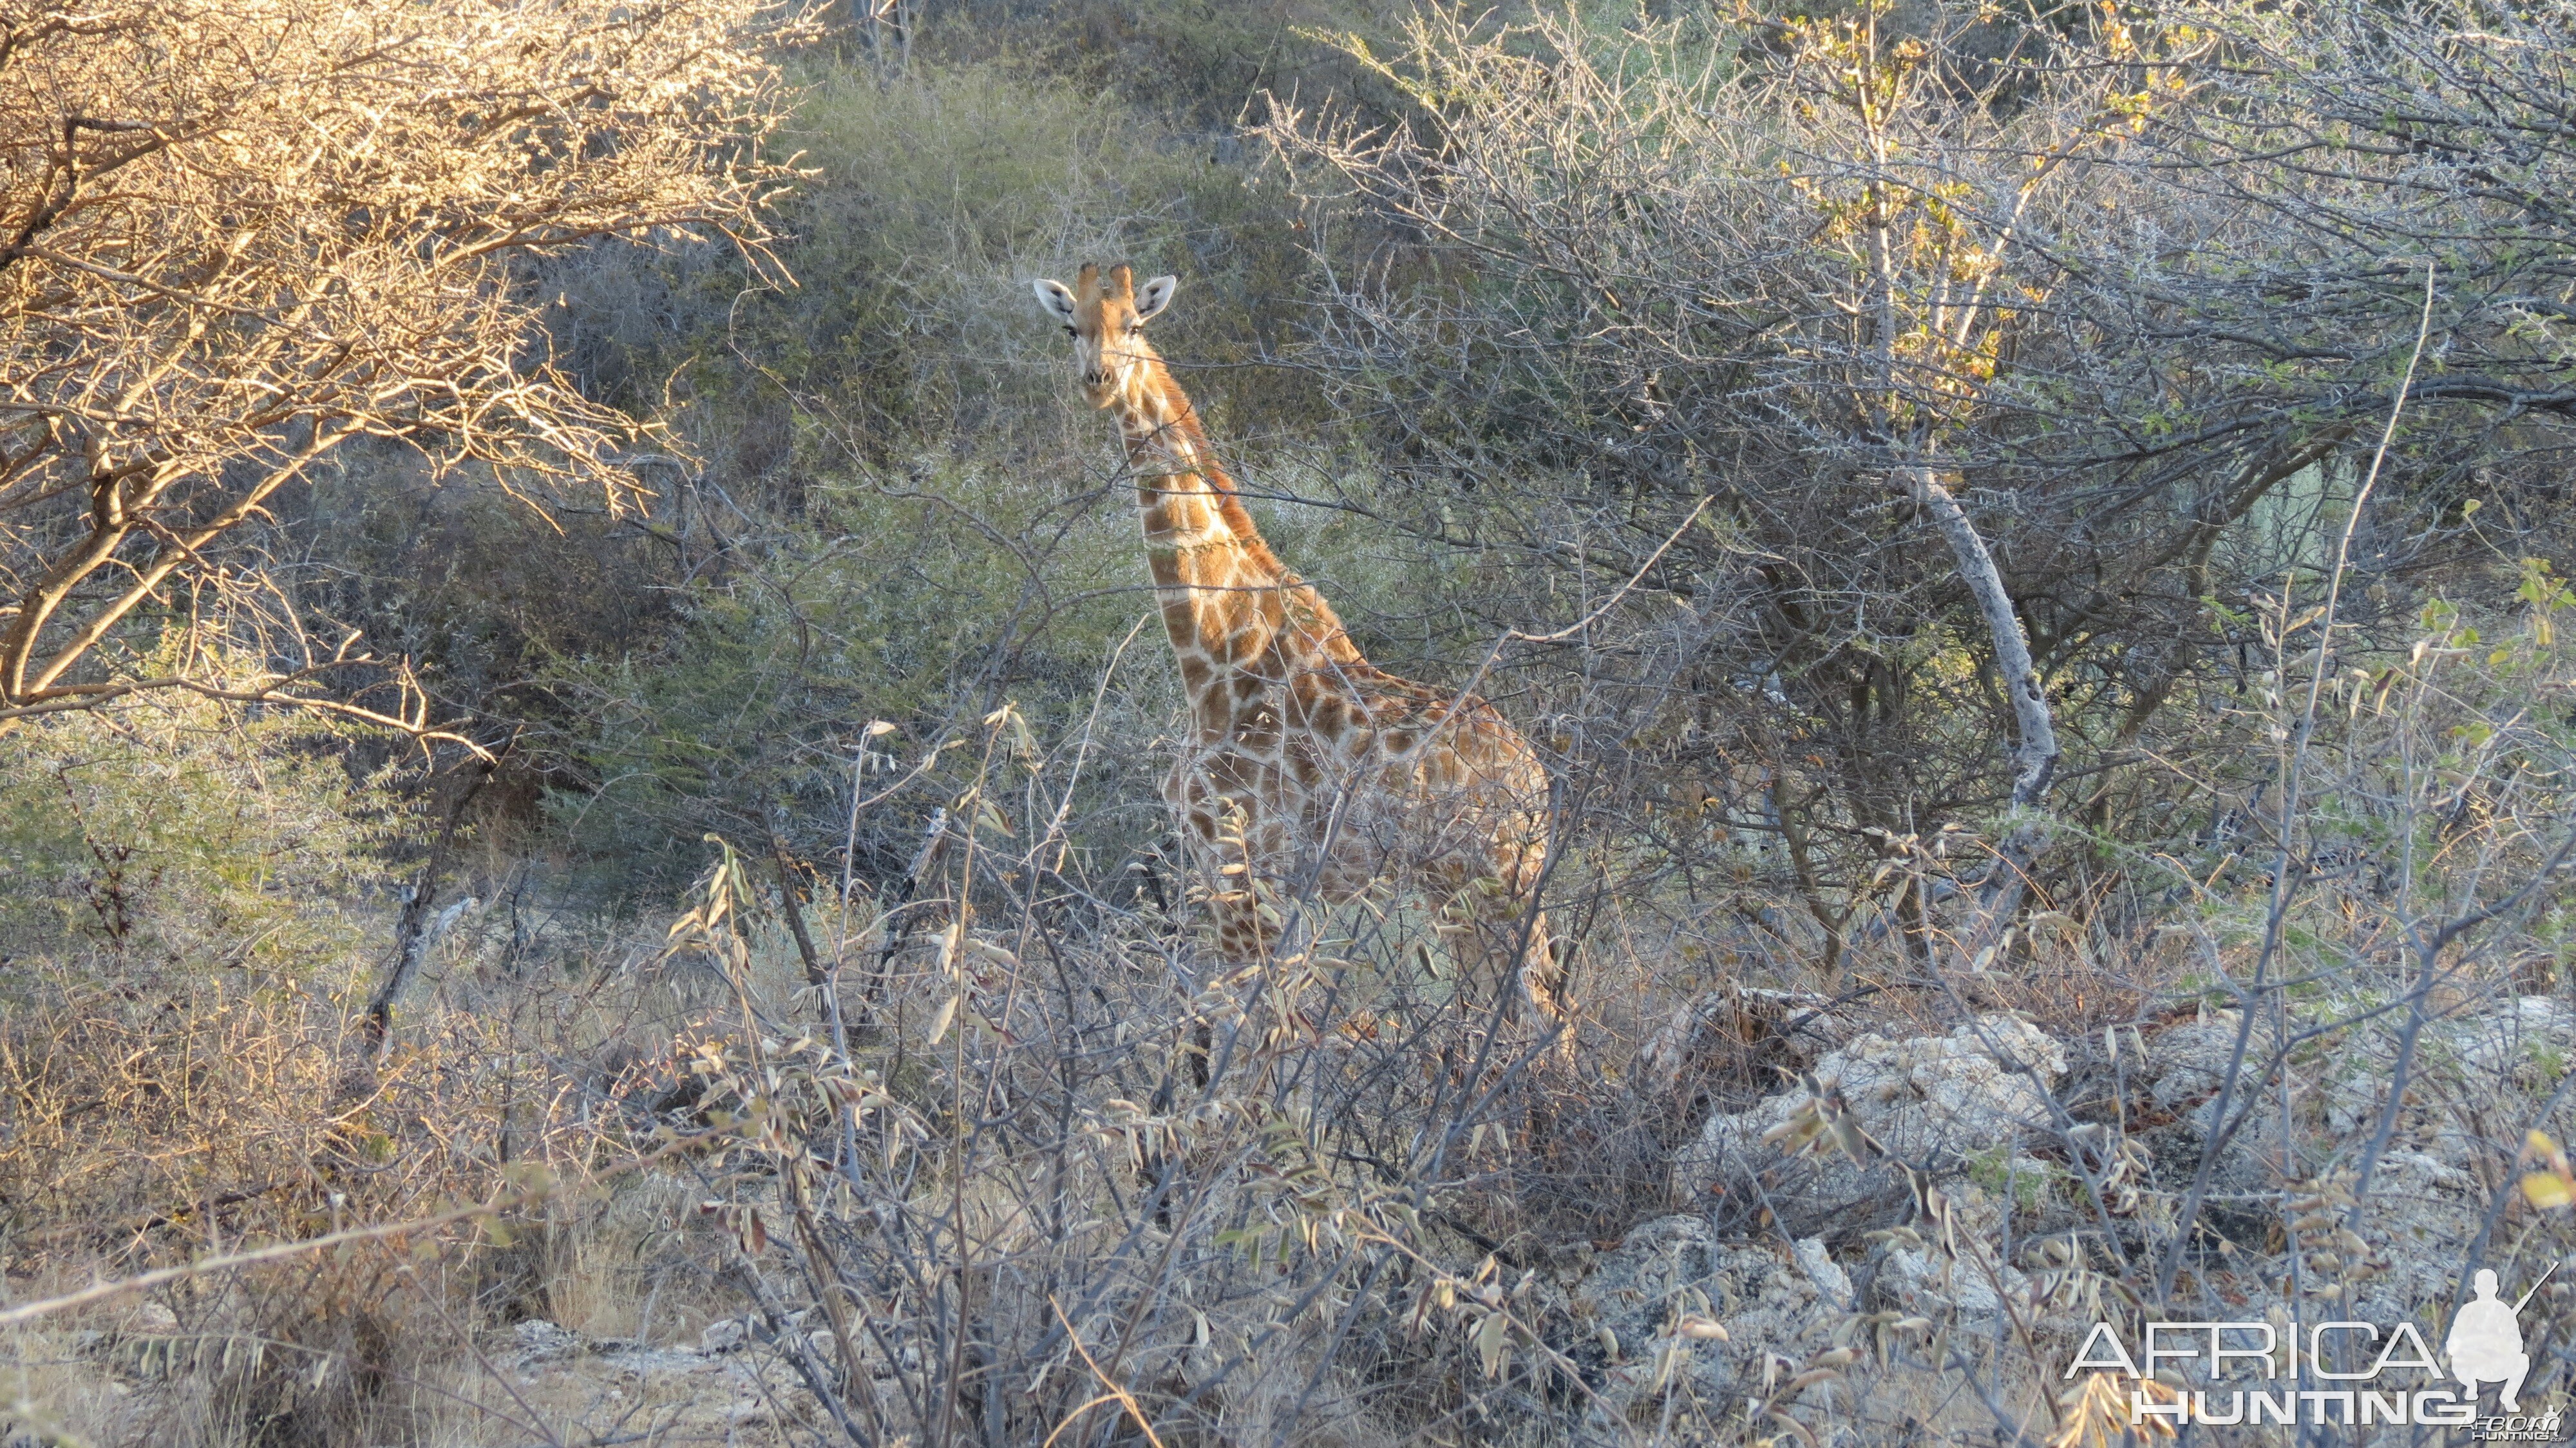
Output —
(1915, 1229)
(1942, 1217)
(728, 1387)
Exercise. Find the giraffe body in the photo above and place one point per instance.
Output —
(1307, 771)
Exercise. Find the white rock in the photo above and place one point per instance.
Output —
(1928, 1098)
(2512, 1046)
(2508, 1042)
(1931, 1288)
(2419, 1217)
(541, 1341)
(1968, 1291)
(1674, 1267)
(1829, 1278)
(2188, 1062)
(722, 1335)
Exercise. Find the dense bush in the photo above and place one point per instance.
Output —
(186, 835)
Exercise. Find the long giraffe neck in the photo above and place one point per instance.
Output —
(1231, 608)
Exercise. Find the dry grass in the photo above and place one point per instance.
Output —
(150, 1123)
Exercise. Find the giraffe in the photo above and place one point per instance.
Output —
(1304, 764)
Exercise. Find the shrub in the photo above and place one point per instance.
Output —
(192, 834)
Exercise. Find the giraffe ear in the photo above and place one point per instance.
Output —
(1155, 295)
(1057, 298)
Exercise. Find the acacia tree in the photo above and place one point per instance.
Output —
(1924, 209)
(1808, 272)
(237, 236)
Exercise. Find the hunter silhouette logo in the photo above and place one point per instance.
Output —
(2485, 1345)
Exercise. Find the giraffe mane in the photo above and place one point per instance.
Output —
(1229, 505)
(1328, 632)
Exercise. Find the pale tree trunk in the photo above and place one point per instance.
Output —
(2035, 751)
(783, 862)
(2035, 755)
(412, 933)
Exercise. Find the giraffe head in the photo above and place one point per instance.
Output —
(1106, 316)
